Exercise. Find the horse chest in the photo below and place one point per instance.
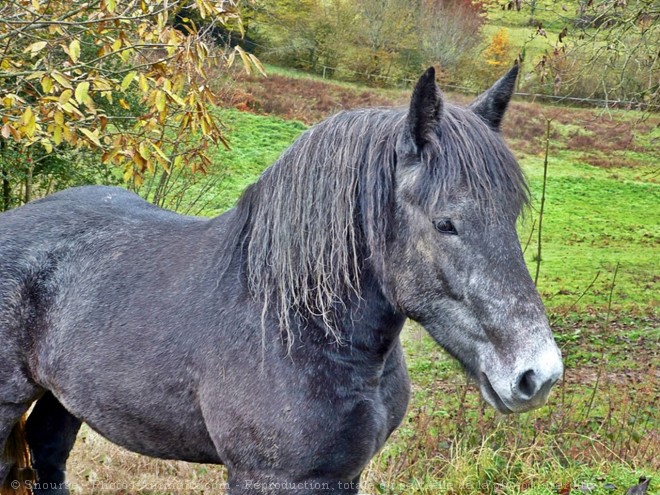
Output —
(335, 426)
(361, 408)
(333, 437)
(366, 420)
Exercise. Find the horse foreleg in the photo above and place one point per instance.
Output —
(14, 457)
(51, 433)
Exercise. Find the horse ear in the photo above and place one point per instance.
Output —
(492, 104)
(425, 108)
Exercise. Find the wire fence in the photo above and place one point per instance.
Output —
(328, 72)
(597, 102)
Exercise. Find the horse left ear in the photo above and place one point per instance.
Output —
(492, 104)
(425, 109)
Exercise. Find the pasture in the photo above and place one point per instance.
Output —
(599, 279)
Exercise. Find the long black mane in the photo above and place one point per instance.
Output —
(321, 214)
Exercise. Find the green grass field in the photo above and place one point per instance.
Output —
(256, 142)
(595, 219)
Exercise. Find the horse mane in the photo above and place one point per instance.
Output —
(320, 214)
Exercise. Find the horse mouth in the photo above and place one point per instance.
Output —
(491, 396)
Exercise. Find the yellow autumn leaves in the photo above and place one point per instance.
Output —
(114, 77)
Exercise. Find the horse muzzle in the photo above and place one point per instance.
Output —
(524, 389)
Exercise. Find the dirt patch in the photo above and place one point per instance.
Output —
(594, 133)
(589, 132)
(605, 161)
(305, 100)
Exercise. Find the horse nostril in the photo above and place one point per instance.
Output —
(527, 384)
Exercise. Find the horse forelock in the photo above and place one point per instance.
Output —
(470, 156)
(323, 211)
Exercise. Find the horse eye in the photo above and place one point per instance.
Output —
(444, 226)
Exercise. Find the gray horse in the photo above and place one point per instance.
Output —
(267, 339)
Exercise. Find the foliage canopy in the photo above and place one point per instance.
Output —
(119, 77)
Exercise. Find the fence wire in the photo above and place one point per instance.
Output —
(400, 81)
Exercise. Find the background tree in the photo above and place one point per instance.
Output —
(605, 50)
(613, 51)
(109, 81)
(498, 52)
(450, 32)
(378, 41)
(305, 34)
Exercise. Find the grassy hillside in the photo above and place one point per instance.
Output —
(256, 142)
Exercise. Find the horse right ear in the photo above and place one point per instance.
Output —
(425, 109)
(491, 105)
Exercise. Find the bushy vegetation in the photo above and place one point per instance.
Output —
(379, 41)
(111, 83)
(602, 49)
(605, 49)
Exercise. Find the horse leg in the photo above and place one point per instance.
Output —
(51, 433)
(14, 456)
(17, 392)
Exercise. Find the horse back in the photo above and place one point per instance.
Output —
(63, 247)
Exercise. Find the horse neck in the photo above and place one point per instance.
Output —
(370, 322)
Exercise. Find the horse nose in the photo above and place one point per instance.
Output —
(536, 382)
(527, 385)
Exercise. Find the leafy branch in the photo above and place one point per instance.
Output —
(115, 77)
